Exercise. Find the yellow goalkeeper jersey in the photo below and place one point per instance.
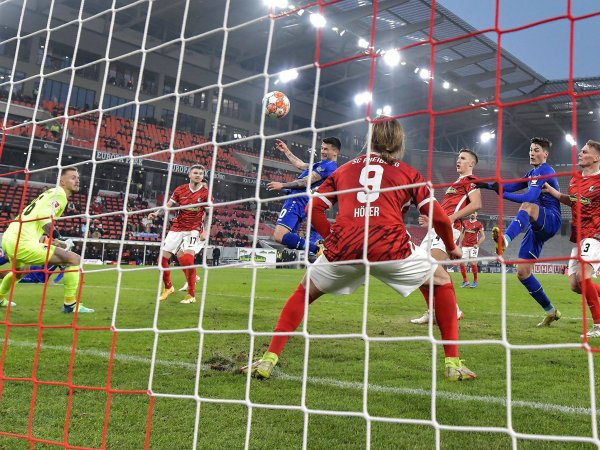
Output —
(38, 213)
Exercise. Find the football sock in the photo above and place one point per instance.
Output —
(537, 292)
(597, 286)
(289, 319)
(519, 223)
(187, 259)
(166, 276)
(5, 285)
(71, 281)
(463, 271)
(445, 314)
(474, 269)
(591, 297)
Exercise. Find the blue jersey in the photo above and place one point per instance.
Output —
(534, 193)
(324, 168)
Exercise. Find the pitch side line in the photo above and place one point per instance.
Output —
(547, 407)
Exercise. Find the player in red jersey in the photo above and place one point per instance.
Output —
(370, 205)
(461, 199)
(584, 200)
(188, 232)
(471, 238)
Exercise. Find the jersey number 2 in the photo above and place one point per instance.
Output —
(370, 177)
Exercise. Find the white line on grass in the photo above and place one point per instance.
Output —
(547, 407)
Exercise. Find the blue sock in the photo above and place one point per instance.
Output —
(537, 292)
(293, 241)
(312, 247)
(519, 223)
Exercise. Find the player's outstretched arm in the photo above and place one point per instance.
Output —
(296, 162)
(160, 212)
(529, 196)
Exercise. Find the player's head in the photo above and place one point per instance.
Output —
(387, 139)
(466, 161)
(69, 180)
(589, 154)
(539, 149)
(473, 217)
(330, 148)
(196, 173)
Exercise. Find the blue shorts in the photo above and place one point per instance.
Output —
(292, 214)
(547, 225)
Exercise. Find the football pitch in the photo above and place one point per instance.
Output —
(532, 381)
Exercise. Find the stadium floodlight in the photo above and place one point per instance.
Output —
(300, 12)
(363, 43)
(486, 136)
(387, 110)
(379, 111)
(446, 85)
(569, 138)
(454, 89)
(288, 75)
(317, 20)
(362, 98)
(391, 57)
(424, 74)
(276, 3)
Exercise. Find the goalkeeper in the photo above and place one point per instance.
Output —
(21, 241)
(539, 217)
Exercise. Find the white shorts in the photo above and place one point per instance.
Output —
(404, 276)
(470, 252)
(590, 251)
(436, 242)
(183, 240)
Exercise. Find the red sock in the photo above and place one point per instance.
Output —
(425, 291)
(289, 319)
(591, 297)
(164, 263)
(445, 314)
(463, 271)
(474, 269)
(187, 259)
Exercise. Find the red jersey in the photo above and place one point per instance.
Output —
(586, 189)
(471, 233)
(189, 219)
(387, 236)
(457, 196)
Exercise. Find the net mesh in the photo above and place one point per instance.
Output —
(143, 374)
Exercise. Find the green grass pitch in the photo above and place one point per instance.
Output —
(44, 381)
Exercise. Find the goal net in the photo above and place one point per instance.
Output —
(134, 92)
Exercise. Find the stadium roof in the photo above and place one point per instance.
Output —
(465, 73)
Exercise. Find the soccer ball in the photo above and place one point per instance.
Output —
(276, 105)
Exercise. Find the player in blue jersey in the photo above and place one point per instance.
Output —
(292, 214)
(539, 217)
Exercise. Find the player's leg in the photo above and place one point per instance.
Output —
(580, 279)
(474, 252)
(286, 228)
(535, 289)
(444, 303)
(463, 267)
(324, 278)
(438, 252)
(72, 277)
(170, 247)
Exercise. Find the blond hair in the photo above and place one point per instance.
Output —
(594, 144)
(387, 138)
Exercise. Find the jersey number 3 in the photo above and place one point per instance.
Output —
(370, 178)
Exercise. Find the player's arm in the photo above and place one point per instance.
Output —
(506, 187)
(481, 238)
(535, 188)
(563, 198)
(296, 184)
(56, 240)
(320, 204)
(160, 212)
(204, 234)
(296, 162)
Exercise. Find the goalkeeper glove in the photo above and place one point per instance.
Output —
(485, 185)
(69, 244)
